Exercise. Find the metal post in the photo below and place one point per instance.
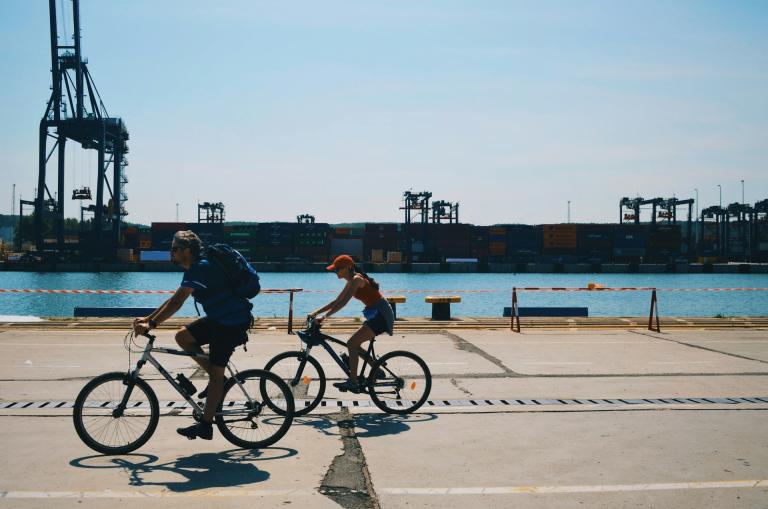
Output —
(697, 203)
(117, 195)
(40, 198)
(654, 310)
(78, 56)
(514, 312)
(55, 70)
(60, 201)
(290, 314)
(98, 219)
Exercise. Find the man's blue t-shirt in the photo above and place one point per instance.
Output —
(212, 291)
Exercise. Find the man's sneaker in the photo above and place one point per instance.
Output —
(348, 385)
(204, 393)
(201, 429)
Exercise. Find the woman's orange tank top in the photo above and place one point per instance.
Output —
(367, 294)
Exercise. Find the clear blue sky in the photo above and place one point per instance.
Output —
(336, 108)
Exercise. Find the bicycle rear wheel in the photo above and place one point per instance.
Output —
(309, 389)
(399, 382)
(245, 419)
(108, 429)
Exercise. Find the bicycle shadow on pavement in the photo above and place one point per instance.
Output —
(227, 469)
(364, 425)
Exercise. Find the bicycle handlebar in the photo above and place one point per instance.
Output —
(313, 324)
(149, 336)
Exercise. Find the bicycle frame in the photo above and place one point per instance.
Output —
(147, 357)
(324, 340)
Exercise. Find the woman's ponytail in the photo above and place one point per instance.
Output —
(368, 278)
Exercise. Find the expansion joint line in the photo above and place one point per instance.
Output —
(683, 343)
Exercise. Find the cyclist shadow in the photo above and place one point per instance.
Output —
(364, 425)
(227, 469)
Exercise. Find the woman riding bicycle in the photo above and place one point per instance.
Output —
(378, 314)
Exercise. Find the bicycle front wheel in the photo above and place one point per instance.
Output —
(104, 425)
(399, 382)
(244, 417)
(310, 385)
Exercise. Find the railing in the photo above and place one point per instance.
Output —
(653, 315)
(290, 291)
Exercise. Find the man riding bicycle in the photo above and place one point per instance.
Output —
(225, 326)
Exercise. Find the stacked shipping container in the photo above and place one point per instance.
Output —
(379, 240)
(453, 241)
(523, 242)
(595, 242)
(312, 241)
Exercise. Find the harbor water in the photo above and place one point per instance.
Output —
(321, 288)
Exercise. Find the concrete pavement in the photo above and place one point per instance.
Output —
(593, 419)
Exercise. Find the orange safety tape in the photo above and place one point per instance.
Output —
(297, 290)
(638, 289)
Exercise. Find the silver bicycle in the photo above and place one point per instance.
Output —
(117, 412)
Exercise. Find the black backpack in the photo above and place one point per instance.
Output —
(241, 276)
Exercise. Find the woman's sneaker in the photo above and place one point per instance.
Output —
(348, 385)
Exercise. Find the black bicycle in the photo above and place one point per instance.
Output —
(398, 382)
(117, 412)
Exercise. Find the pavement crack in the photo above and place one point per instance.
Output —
(455, 383)
(683, 343)
(463, 344)
(348, 481)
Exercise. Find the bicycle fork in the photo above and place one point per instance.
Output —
(129, 382)
(303, 355)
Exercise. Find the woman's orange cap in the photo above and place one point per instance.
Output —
(341, 261)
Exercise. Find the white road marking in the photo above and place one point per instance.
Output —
(27, 366)
(556, 363)
(681, 362)
(544, 342)
(513, 490)
(431, 364)
(503, 490)
(155, 493)
(61, 344)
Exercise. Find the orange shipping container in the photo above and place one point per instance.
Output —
(561, 236)
(497, 230)
(497, 248)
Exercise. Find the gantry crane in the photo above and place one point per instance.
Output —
(214, 212)
(75, 112)
(305, 219)
(445, 211)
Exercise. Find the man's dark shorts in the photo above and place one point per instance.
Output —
(223, 339)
